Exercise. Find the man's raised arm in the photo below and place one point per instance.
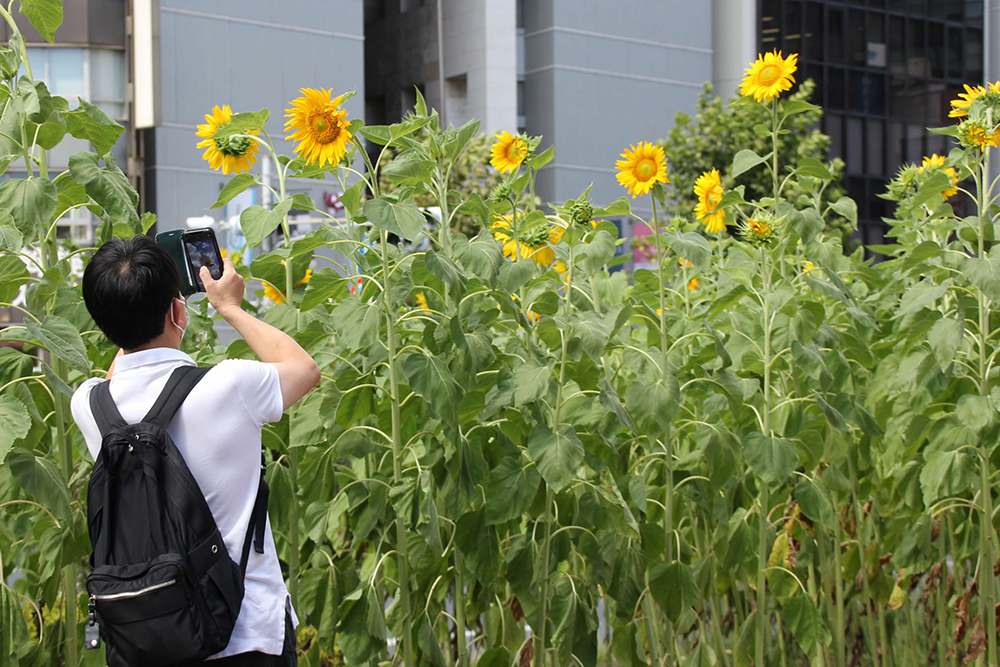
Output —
(297, 371)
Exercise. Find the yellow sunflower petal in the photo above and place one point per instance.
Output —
(319, 126)
(508, 152)
(769, 75)
(642, 167)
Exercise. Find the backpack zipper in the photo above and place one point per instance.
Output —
(132, 594)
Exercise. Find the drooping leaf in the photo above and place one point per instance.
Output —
(45, 15)
(746, 160)
(42, 481)
(31, 203)
(673, 587)
(815, 502)
(807, 625)
(557, 455)
(13, 274)
(233, 187)
(90, 123)
(258, 222)
(11, 238)
(946, 474)
(107, 186)
(431, 379)
(62, 339)
(14, 422)
(772, 459)
(402, 219)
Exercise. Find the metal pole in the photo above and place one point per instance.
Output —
(442, 112)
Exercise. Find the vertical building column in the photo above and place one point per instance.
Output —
(991, 57)
(500, 71)
(734, 43)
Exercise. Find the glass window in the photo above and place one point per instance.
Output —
(107, 81)
(894, 144)
(835, 88)
(833, 126)
(812, 41)
(857, 39)
(915, 56)
(915, 143)
(875, 146)
(973, 54)
(956, 53)
(65, 75)
(935, 49)
(793, 27)
(836, 34)
(897, 45)
(854, 140)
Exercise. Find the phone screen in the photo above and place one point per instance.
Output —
(202, 250)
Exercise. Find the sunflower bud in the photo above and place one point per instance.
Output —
(976, 133)
(502, 192)
(581, 212)
(759, 230)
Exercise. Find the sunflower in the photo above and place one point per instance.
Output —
(808, 266)
(693, 284)
(319, 127)
(708, 187)
(938, 161)
(759, 231)
(233, 154)
(976, 134)
(508, 152)
(769, 75)
(644, 165)
(278, 296)
(534, 242)
(684, 263)
(960, 107)
(421, 301)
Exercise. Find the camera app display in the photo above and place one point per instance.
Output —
(201, 252)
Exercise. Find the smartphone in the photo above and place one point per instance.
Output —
(192, 249)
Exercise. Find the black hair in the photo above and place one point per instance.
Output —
(128, 287)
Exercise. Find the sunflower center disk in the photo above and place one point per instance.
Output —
(768, 75)
(645, 170)
(232, 145)
(325, 127)
(514, 152)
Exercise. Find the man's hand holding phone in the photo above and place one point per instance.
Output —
(226, 293)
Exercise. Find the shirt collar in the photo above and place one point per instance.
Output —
(154, 355)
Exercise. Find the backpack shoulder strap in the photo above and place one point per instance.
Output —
(258, 520)
(181, 381)
(104, 409)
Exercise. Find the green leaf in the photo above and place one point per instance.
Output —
(691, 246)
(772, 459)
(377, 134)
(11, 239)
(107, 186)
(403, 219)
(361, 630)
(61, 338)
(975, 412)
(833, 415)
(944, 338)
(431, 379)
(242, 123)
(807, 626)
(15, 422)
(513, 275)
(479, 544)
(235, 186)
(45, 15)
(409, 169)
(90, 123)
(744, 161)
(31, 203)
(556, 455)
(542, 159)
(947, 474)
(653, 404)
(846, 207)
(597, 252)
(620, 206)
(258, 222)
(797, 106)
(42, 481)
(356, 322)
(13, 274)
(984, 274)
(445, 269)
(13, 632)
(324, 284)
(815, 502)
(479, 255)
(674, 589)
(511, 490)
(810, 166)
(530, 382)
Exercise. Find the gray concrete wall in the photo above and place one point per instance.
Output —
(249, 55)
(734, 38)
(600, 76)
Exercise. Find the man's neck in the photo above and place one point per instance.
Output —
(163, 340)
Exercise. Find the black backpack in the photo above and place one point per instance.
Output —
(162, 586)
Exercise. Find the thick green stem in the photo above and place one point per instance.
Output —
(403, 560)
(764, 528)
(838, 582)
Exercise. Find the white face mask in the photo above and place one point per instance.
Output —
(182, 328)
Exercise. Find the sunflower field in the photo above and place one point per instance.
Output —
(760, 451)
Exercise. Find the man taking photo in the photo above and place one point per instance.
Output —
(132, 289)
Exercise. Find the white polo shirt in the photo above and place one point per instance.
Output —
(218, 432)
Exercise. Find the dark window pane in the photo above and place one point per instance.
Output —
(833, 126)
(915, 143)
(856, 191)
(894, 145)
(954, 9)
(835, 88)
(876, 27)
(857, 49)
(770, 24)
(936, 9)
(935, 49)
(916, 63)
(937, 144)
(956, 51)
(812, 43)
(854, 139)
(793, 27)
(815, 72)
(835, 46)
(974, 55)
(875, 146)
(897, 45)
